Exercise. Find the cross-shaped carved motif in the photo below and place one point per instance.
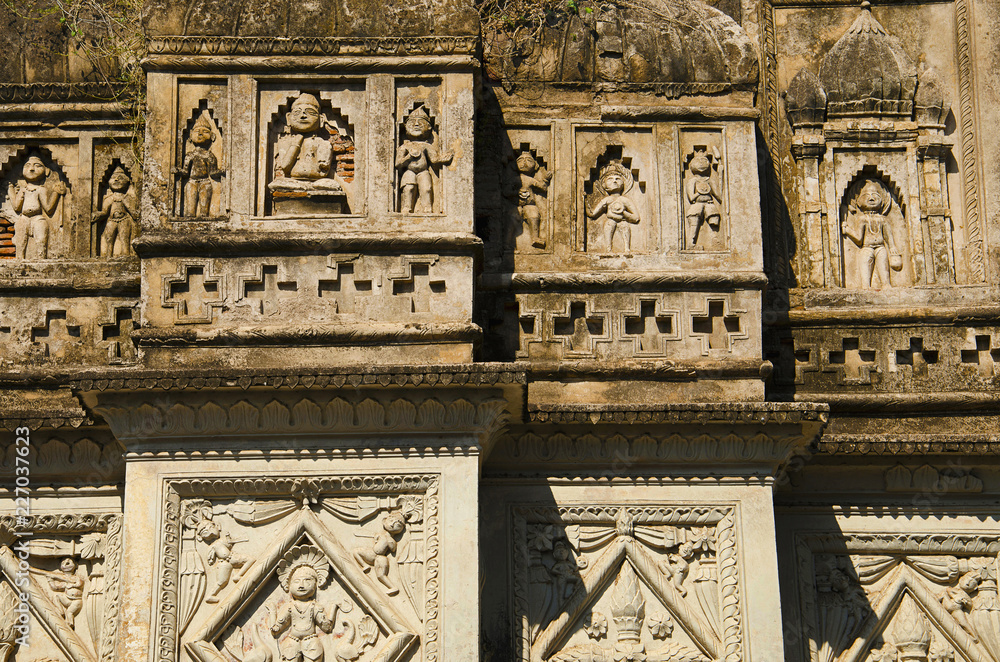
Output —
(56, 335)
(529, 329)
(649, 330)
(717, 326)
(984, 356)
(916, 356)
(800, 358)
(5, 341)
(118, 334)
(263, 290)
(193, 293)
(577, 330)
(852, 364)
(418, 287)
(345, 288)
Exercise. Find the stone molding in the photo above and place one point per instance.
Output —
(340, 334)
(909, 444)
(79, 460)
(215, 46)
(238, 243)
(750, 413)
(59, 92)
(71, 278)
(136, 417)
(619, 282)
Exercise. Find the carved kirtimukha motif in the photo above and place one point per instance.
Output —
(532, 182)
(867, 225)
(415, 159)
(199, 169)
(305, 178)
(703, 197)
(612, 204)
(120, 214)
(32, 204)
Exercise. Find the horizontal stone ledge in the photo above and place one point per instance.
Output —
(60, 93)
(617, 281)
(310, 335)
(71, 277)
(215, 46)
(662, 112)
(354, 64)
(989, 314)
(659, 370)
(755, 413)
(909, 444)
(253, 242)
(879, 402)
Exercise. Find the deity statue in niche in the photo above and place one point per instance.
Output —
(867, 225)
(415, 158)
(199, 169)
(301, 572)
(531, 183)
(619, 211)
(702, 195)
(34, 200)
(120, 213)
(304, 174)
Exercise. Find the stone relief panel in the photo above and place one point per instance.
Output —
(311, 166)
(37, 202)
(706, 226)
(899, 597)
(616, 213)
(420, 154)
(199, 170)
(527, 191)
(618, 583)
(68, 567)
(839, 126)
(345, 287)
(333, 569)
(114, 219)
(912, 359)
(619, 326)
(77, 331)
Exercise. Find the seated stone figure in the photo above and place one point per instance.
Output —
(302, 158)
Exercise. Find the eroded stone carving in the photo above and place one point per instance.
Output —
(66, 585)
(867, 225)
(533, 181)
(33, 204)
(200, 167)
(415, 159)
(703, 197)
(120, 214)
(301, 572)
(376, 557)
(611, 202)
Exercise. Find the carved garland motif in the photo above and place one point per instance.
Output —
(305, 493)
(687, 558)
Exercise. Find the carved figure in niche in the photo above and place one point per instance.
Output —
(377, 556)
(867, 225)
(415, 158)
(702, 193)
(120, 212)
(302, 158)
(620, 211)
(67, 585)
(564, 572)
(301, 572)
(958, 600)
(199, 168)
(221, 555)
(34, 199)
(531, 182)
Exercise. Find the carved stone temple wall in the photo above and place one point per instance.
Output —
(658, 331)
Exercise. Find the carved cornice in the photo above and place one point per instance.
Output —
(215, 46)
(253, 242)
(749, 413)
(299, 485)
(652, 369)
(58, 523)
(909, 444)
(621, 281)
(358, 65)
(60, 92)
(134, 417)
(337, 334)
(476, 374)
(80, 460)
(71, 278)
(905, 543)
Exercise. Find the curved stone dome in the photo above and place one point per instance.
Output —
(645, 41)
(867, 72)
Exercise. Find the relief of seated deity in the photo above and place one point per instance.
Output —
(304, 170)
